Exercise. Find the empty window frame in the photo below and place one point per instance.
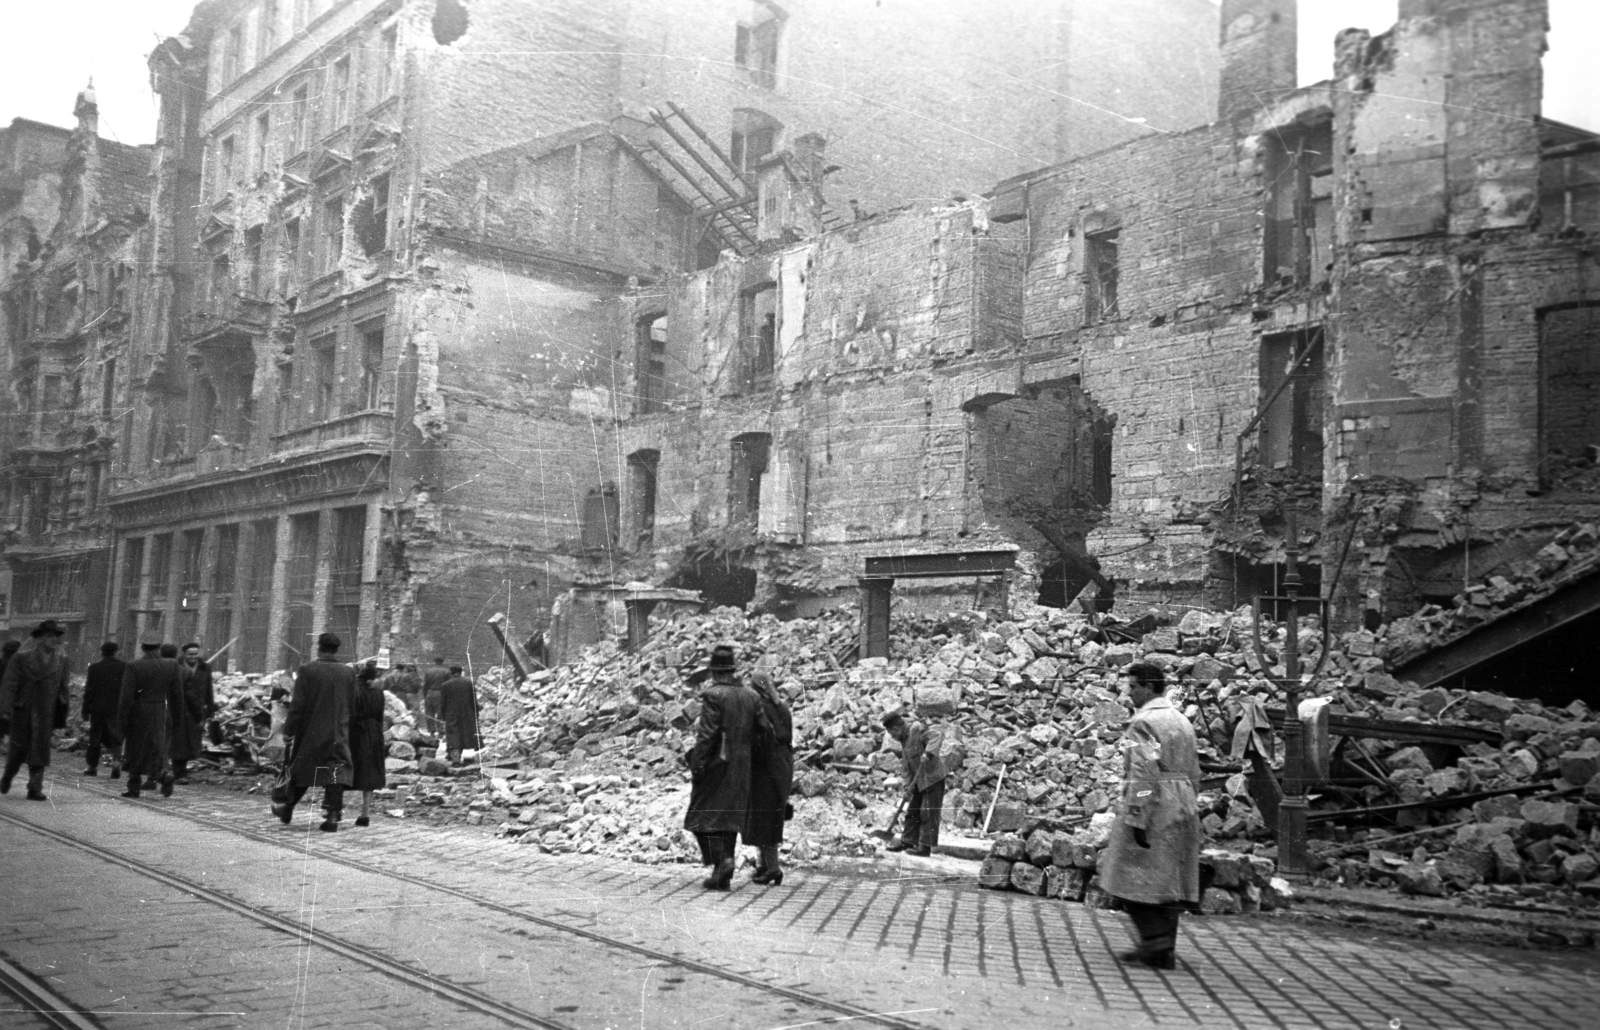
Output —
(267, 29)
(255, 274)
(750, 453)
(299, 114)
(370, 217)
(221, 278)
(232, 53)
(224, 568)
(1298, 248)
(344, 588)
(642, 473)
(284, 414)
(1101, 271)
(263, 142)
(332, 235)
(1292, 397)
(388, 61)
(758, 330)
(160, 569)
(325, 376)
(338, 93)
(651, 362)
(1569, 393)
(225, 165)
(755, 43)
(601, 518)
(289, 266)
(108, 387)
(371, 397)
(132, 580)
(755, 135)
(300, 589)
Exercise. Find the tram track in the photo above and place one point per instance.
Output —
(40, 1001)
(843, 1011)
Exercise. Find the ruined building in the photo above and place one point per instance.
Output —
(386, 345)
(71, 206)
(1366, 308)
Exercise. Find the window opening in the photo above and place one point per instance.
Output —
(370, 218)
(160, 569)
(285, 406)
(388, 54)
(108, 387)
(263, 142)
(333, 234)
(750, 454)
(759, 330)
(371, 366)
(652, 363)
(339, 94)
(1298, 248)
(219, 619)
(267, 41)
(220, 274)
(257, 594)
(132, 579)
(344, 594)
(1291, 425)
(324, 355)
(1569, 397)
(300, 582)
(252, 253)
(289, 274)
(755, 44)
(601, 518)
(642, 470)
(755, 135)
(232, 53)
(1101, 274)
(225, 165)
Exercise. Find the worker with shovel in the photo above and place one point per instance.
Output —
(926, 756)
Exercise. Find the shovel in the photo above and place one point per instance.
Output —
(888, 832)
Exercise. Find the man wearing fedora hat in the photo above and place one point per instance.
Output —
(33, 702)
(719, 764)
(152, 686)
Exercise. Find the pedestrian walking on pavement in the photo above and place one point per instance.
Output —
(319, 730)
(102, 689)
(771, 776)
(458, 708)
(199, 704)
(151, 687)
(925, 773)
(367, 746)
(1153, 860)
(33, 703)
(719, 766)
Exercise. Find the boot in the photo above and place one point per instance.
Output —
(93, 770)
(133, 785)
(329, 825)
(1164, 959)
(9, 775)
(166, 785)
(722, 868)
(36, 783)
(768, 872)
(116, 771)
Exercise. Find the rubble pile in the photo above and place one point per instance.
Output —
(1570, 556)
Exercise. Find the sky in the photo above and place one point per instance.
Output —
(110, 38)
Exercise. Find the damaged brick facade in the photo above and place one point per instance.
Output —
(386, 326)
(71, 208)
(1362, 307)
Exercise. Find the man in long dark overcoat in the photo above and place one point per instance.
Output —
(33, 702)
(151, 686)
(319, 730)
(719, 765)
(432, 679)
(1153, 860)
(771, 776)
(102, 689)
(458, 708)
(200, 701)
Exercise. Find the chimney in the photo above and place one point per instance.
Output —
(87, 111)
(1258, 56)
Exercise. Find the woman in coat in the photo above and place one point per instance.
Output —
(367, 746)
(1153, 861)
(771, 774)
(719, 767)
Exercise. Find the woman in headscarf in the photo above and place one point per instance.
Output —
(367, 746)
(771, 774)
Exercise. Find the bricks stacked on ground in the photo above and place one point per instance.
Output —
(1061, 863)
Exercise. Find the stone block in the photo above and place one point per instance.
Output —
(1579, 868)
(1410, 758)
(1579, 767)
(1207, 669)
(1445, 782)
(1420, 878)
(1457, 874)
(1163, 640)
(1070, 883)
(1522, 727)
(1008, 816)
(435, 767)
(1039, 848)
(1027, 878)
(1250, 897)
(811, 784)
(1217, 901)
(1224, 866)
(1489, 707)
(1591, 790)
(1433, 700)
(995, 873)
(1010, 847)
(398, 765)
(400, 749)
(1262, 870)
(935, 702)
(1548, 818)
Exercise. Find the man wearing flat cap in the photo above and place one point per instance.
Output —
(152, 688)
(33, 702)
(719, 764)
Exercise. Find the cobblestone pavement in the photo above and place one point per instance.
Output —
(940, 954)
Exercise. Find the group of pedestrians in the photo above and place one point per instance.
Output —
(741, 768)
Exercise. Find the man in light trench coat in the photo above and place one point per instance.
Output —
(1153, 862)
